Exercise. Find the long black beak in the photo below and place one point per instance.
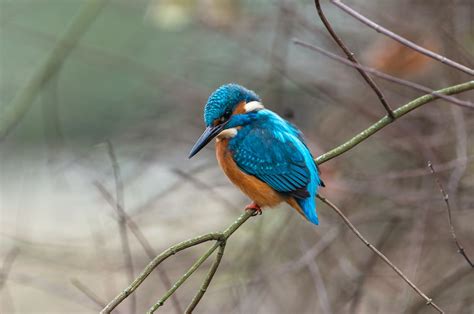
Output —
(206, 137)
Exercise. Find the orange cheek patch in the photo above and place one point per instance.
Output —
(240, 108)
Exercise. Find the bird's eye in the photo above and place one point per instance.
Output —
(225, 117)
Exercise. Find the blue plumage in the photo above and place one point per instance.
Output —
(273, 150)
(224, 100)
(262, 145)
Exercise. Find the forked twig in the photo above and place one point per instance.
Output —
(450, 220)
(385, 76)
(218, 237)
(350, 56)
(379, 254)
(137, 232)
(208, 279)
(401, 39)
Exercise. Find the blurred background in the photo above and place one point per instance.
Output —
(129, 96)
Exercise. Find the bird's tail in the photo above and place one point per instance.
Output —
(306, 207)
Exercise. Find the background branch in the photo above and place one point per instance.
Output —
(136, 231)
(401, 39)
(385, 76)
(22, 101)
(119, 207)
(374, 128)
(450, 220)
(350, 55)
(379, 254)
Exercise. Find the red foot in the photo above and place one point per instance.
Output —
(254, 207)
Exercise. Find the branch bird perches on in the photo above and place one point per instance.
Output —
(220, 238)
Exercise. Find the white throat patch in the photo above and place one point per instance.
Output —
(228, 133)
(253, 105)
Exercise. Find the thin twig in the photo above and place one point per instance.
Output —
(385, 76)
(186, 275)
(208, 279)
(23, 99)
(350, 56)
(136, 231)
(401, 39)
(7, 265)
(88, 293)
(443, 284)
(119, 207)
(451, 226)
(379, 254)
(377, 126)
(356, 298)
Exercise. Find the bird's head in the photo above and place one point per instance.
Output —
(228, 107)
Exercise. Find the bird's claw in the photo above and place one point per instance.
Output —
(255, 208)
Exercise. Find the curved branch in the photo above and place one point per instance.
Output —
(218, 237)
(207, 280)
(351, 57)
(401, 39)
(374, 128)
(379, 254)
(157, 261)
(385, 76)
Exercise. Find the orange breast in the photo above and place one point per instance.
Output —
(260, 192)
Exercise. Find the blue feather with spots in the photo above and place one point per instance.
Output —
(273, 150)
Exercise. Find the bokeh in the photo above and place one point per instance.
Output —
(128, 99)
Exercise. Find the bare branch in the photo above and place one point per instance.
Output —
(385, 76)
(377, 126)
(219, 236)
(401, 39)
(7, 265)
(370, 265)
(208, 279)
(450, 220)
(379, 254)
(119, 207)
(186, 275)
(88, 293)
(136, 231)
(22, 101)
(350, 56)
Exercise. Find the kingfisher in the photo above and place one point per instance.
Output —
(260, 152)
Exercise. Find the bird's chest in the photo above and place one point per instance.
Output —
(257, 190)
(226, 161)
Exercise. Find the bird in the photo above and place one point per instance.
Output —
(260, 152)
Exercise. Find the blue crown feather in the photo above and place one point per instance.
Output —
(225, 99)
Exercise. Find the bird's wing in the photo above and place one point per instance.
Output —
(275, 157)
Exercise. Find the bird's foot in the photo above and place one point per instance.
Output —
(255, 208)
